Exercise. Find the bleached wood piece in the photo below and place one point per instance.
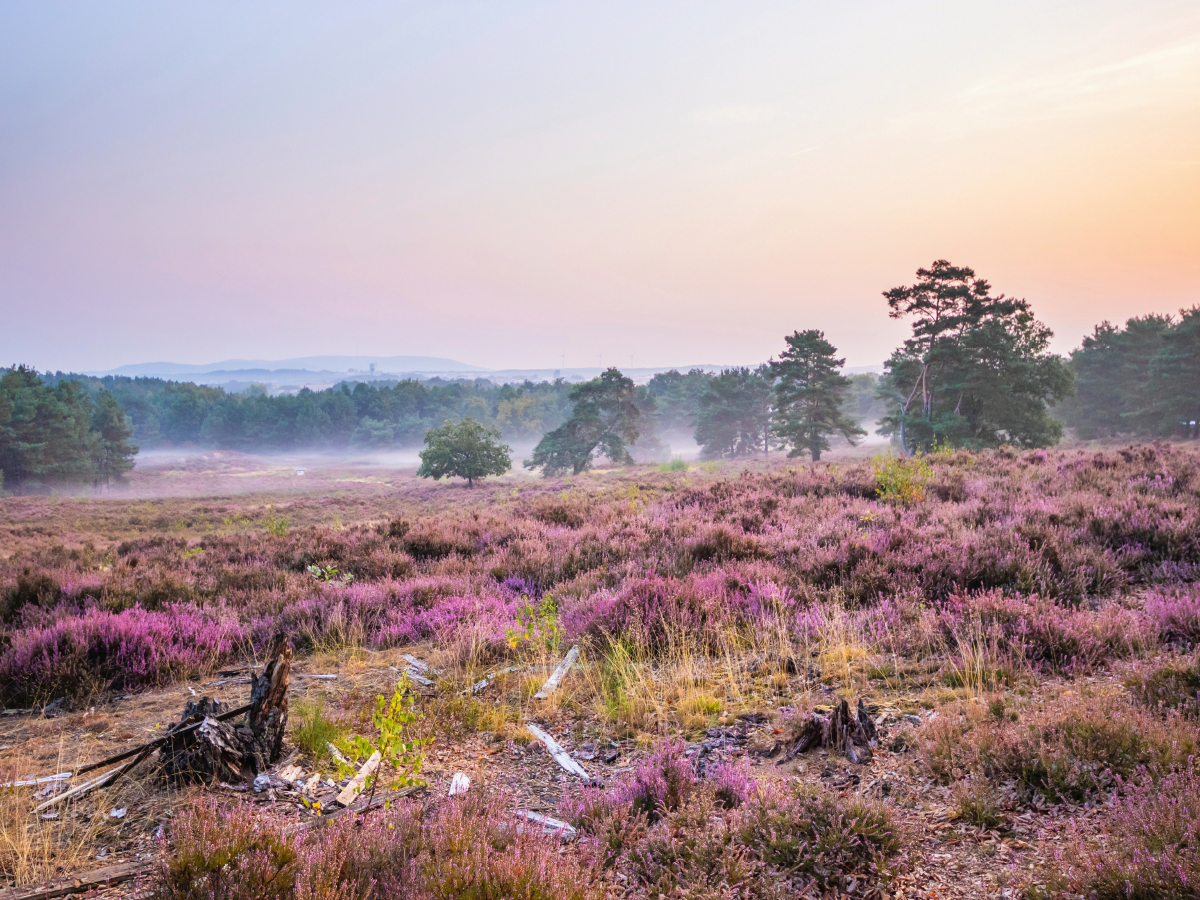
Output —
(419, 679)
(351, 791)
(558, 674)
(91, 785)
(420, 666)
(27, 782)
(459, 784)
(560, 755)
(488, 679)
(337, 755)
(549, 825)
(317, 677)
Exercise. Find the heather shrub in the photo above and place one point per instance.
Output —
(32, 589)
(819, 835)
(1067, 749)
(680, 835)
(1171, 688)
(466, 848)
(96, 650)
(1175, 615)
(1151, 846)
(227, 853)
(1049, 637)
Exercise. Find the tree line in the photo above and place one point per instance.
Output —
(975, 372)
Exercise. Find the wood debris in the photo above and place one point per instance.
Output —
(841, 730)
(351, 791)
(558, 674)
(459, 784)
(560, 755)
(550, 826)
(209, 749)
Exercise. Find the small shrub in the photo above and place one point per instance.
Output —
(677, 464)
(901, 481)
(1152, 848)
(977, 802)
(822, 836)
(227, 854)
(1170, 688)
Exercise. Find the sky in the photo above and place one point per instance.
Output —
(568, 184)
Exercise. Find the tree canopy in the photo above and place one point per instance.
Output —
(734, 413)
(605, 419)
(464, 450)
(976, 371)
(58, 434)
(809, 392)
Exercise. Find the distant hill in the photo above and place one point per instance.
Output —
(313, 364)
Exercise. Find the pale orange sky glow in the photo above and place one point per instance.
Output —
(506, 184)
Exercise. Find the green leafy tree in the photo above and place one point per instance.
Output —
(734, 413)
(466, 450)
(113, 452)
(976, 371)
(605, 418)
(809, 393)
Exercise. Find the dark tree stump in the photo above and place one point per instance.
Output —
(221, 751)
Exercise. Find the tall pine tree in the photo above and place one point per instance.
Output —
(808, 395)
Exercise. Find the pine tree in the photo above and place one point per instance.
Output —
(114, 452)
(976, 371)
(734, 413)
(808, 395)
(605, 419)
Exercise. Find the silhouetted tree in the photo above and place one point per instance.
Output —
(466, 450)
(605, 418)
(808, 395)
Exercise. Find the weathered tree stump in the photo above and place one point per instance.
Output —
(222, 751)
(841, 730)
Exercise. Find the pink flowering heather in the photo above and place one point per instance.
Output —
(1151, 848)
(100, 650)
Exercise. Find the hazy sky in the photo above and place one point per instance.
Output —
(510, 183)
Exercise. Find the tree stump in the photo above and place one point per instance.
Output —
(224, 752)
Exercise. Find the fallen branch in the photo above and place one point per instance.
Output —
(100, 781)
(28, 782)
(560, 755)
(558, 675)
(85, 881)
(488, 679)
(421, 667)
(549, 825)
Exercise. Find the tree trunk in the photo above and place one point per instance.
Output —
(222, 752)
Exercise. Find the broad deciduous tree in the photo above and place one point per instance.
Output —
(466, 450)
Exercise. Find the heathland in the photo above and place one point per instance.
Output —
(1019, 627)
